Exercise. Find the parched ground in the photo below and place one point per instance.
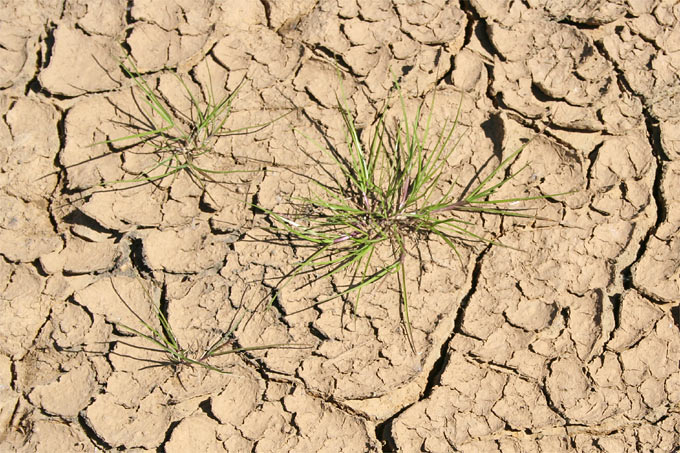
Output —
(572, 344)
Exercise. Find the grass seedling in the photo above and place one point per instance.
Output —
(166, 341)
(179, 140)
(390, 189)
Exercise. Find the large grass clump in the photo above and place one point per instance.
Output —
(388, 190)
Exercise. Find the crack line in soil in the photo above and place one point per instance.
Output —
(653, 135)
(384, 429)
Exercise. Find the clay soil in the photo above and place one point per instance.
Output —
(571, 343)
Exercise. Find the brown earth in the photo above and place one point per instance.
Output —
(572, 344)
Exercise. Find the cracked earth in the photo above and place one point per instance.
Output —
(571, 343)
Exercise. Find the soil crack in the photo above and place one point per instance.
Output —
(653, 135)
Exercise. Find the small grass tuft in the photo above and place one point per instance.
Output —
(166, 341)
(179, 140)
(389, 190)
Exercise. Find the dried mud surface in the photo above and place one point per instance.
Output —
(571, 345)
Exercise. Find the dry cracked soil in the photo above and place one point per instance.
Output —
(567, 342)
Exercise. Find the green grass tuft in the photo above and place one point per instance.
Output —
(180, 140)
(390, 190)
(166, 341)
